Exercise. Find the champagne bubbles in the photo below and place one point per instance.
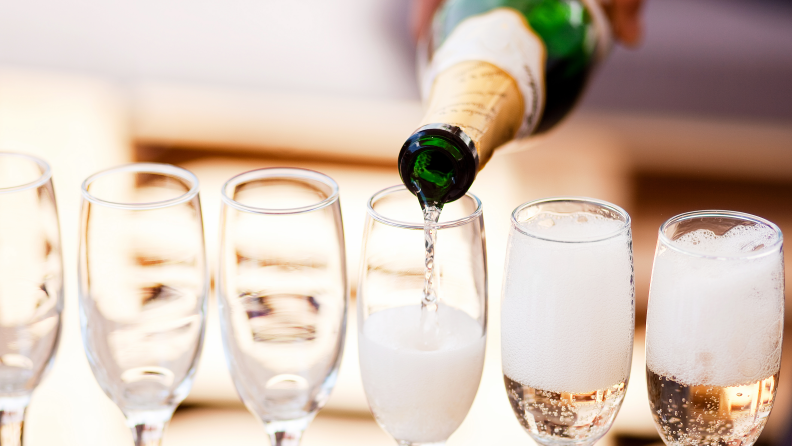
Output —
(716, 305)
(714, 327)
(574, 227)
(568, 311)
(736, 241)
(421, 392)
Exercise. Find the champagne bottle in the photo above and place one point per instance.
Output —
(496, 70)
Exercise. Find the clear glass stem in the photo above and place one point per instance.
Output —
(11, 423)
(285, 438)
(12, 419)
(287, 433)
(407, 443)
(148, 427)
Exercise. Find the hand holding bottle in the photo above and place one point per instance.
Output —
(625, 20)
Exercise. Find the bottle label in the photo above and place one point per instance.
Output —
(482, 100)
(503, 38)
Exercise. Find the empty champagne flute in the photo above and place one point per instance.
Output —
(282, 293)
(421, 363)
(31, 285)
(143, 283)
(567, 318)
(714, 327)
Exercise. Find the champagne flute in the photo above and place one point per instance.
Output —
(714, 327)
(31, 285)
(421, 364)
(568, 318)
(143, 285)
(283, 294)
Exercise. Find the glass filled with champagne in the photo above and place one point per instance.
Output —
(567, 318)
(422, 318)
(714, 327)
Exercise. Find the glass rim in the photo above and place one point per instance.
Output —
(280, 172)
(617, 209)
(407, 225)
(46, 173)
(716, 213)
(155, 168)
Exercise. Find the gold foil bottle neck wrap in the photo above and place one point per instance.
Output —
(482, 100)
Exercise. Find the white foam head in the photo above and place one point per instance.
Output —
(716, 303)
(571, 227)
(420, 393)
(567, 312)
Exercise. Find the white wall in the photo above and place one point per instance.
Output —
(716, 58)
(345, 47)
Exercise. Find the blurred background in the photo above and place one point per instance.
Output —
(699, 116)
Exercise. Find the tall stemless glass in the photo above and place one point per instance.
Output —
(568, 318)
(282, 294)
(31, 285)
(714, 327)
(421, 367)
(143, 285)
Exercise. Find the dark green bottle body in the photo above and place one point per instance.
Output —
(567, 31)
(573, 37)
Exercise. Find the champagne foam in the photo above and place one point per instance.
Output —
(577, 226)
(716, 322)
(421, 392)
(738, 240)
(567, 314)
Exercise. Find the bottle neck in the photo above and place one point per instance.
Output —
(481, 100)
(474, 107)
(438, 164)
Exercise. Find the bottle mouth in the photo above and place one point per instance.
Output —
(440, 162)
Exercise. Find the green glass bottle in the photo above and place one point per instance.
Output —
(496, 70)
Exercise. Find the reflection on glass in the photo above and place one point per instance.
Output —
(283, 294)
(421, 366)
(568, 318)
(143, 285)
(31, 285)
(714, 327)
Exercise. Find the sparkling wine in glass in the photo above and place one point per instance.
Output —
(31, 285)
(283, 294)
(143, 285)
(421, 363)
(568, 318)
(714, 327)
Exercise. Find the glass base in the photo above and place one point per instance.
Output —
(287, 433)
(12, 419)
(545, 441)
(407, 443)
(148, 426)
